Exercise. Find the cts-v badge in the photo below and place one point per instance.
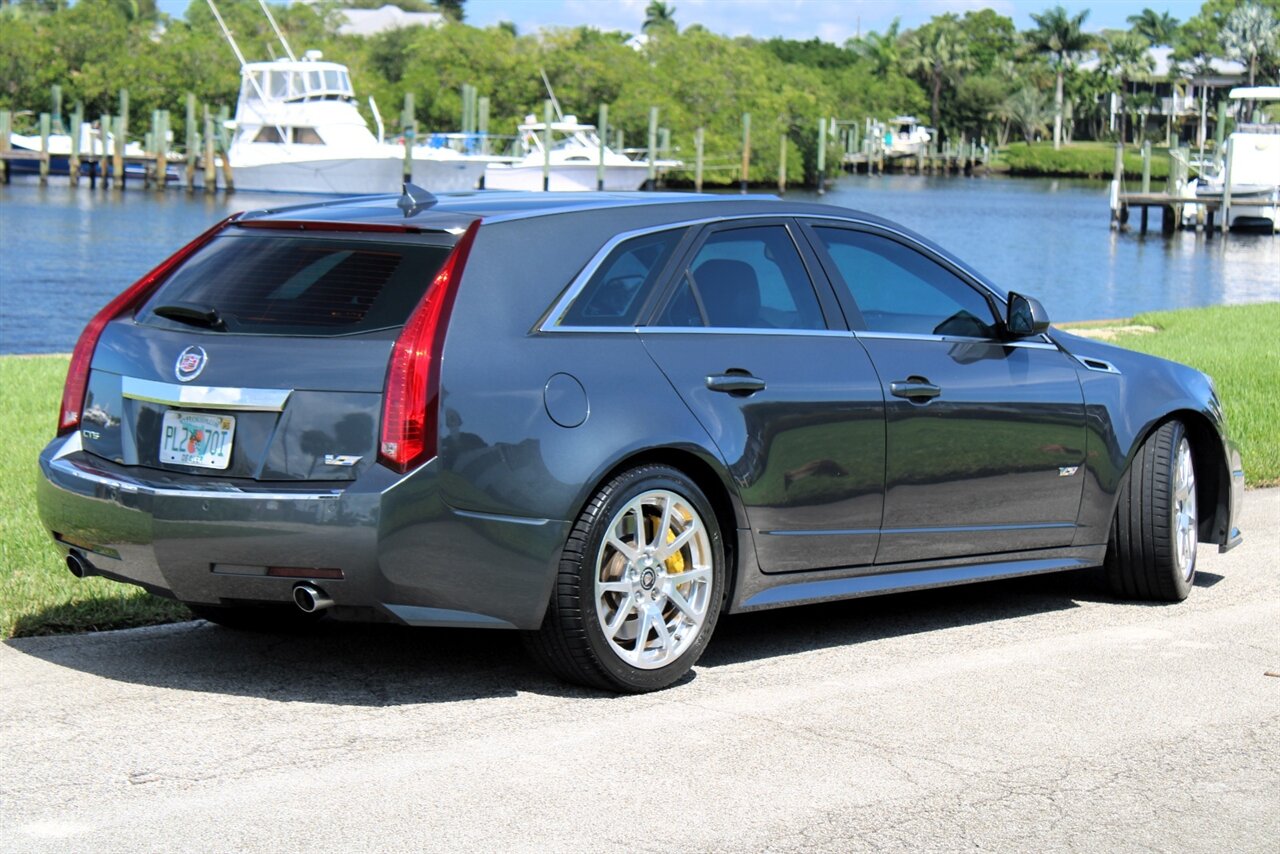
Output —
(1067, 471)
(346, 460)
(191, 362)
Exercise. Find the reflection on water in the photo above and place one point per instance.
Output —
(65, 252)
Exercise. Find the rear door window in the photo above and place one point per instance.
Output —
(745, 278)
(287, 285)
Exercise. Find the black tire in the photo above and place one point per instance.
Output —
(257, 618)
(1142, 554)
(571, 642)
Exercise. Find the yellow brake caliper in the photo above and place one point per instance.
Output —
(675, 563)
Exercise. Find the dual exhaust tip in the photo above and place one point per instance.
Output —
(307, 597)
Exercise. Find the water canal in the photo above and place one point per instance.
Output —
(65, 252)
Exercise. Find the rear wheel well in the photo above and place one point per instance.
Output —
(1213, 475)
(711, 484)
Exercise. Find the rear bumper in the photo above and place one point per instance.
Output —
(405, 556)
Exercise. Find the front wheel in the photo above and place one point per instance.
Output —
(1152, 550)
(640, 587)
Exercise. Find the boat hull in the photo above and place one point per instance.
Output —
(565, 178)
(337, 176)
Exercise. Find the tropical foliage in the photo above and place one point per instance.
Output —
(974, 74)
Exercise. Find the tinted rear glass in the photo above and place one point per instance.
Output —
(293, 285)
(620, 284)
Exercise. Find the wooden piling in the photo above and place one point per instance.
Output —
(482, 123)
(6, 126)
(117, 151)
(45, 120)
(653, 148)
(162, 151)
(699, 137)
(210, 166)
(546, 145)
(602, 131)
(1226, 186)
(1146, 172)
(782, 164)
(56, 119)
(193, 142)
(73, 162)
(104, 149)
(822, 155)
(746, 150)
(1117, 181)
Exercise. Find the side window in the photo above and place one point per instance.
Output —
(898, 289)
(618, 288)
(746, 278)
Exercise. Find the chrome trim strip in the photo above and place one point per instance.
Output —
(737, 330)
(959, 529)
(580, 281)
(498, 517)
(205, 397)
(865, 585)
(72, 470)
(957, 339)
(1102, 366)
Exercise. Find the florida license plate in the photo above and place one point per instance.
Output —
(197, 439)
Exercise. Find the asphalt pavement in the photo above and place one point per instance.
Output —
(1033, 714)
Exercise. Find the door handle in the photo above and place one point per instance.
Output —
(915, 389)
(734, 383)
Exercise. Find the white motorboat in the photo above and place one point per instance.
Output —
(575, 156)
(906, 137)
(1255, 166)
(297, 130)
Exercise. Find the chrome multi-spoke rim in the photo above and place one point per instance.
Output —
(1184, 510)
(653, 579)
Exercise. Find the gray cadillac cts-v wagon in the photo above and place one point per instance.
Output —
(605, 420)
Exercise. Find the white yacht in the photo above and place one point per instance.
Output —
(1255, 166)
(297, 130)
(575, 155)
(906, 137)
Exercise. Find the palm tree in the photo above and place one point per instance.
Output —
(1028, 110)
(1059, 35)
(880, 50)
(1250, 31)
(1158, 28)
(1123, 54)
(658, 16)
(935, 52)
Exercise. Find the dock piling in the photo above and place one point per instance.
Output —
(45, 121)
(603, 132)
(782, 164)
(746, 150)
(1226, 187)
(699, 137)
(73, 163)
(193, 141)
(822, 155)
(210, 166)
(546, 145)
(6, 125)
(653, 148)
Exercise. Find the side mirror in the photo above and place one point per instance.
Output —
(1026, 317)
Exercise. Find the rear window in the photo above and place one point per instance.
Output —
(296, 285)
(618, 288)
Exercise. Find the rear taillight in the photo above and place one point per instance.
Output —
(411, 402)
(130, 300)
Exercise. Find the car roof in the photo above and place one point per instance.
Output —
(452, 210)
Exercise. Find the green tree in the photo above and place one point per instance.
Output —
(1060, 36)
(659, 17)
(935, 53)
(1158, 28)
(1250, 33)
(1028, 108)
(880, 50)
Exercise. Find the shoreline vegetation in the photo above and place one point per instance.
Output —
(1236, 345)
(979, 76)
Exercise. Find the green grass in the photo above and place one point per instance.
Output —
(37, 594)
(1239, 346)
(1079, 159)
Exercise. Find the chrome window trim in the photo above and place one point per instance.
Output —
(557, 312)
(1040, 344)
(744, 330)
(205, 397)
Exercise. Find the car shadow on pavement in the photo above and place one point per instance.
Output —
(380, 665)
